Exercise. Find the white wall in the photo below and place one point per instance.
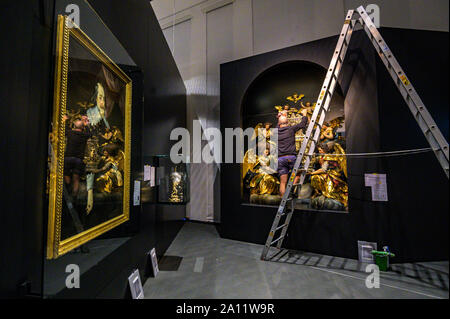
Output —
(210, 32)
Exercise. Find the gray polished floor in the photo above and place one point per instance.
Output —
(213, 267)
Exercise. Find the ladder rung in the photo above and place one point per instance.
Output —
(276, 240)
(279, 227)
(306, 155)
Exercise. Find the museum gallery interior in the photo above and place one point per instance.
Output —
(224, 149)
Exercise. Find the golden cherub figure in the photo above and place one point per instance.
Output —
(113, 135)
(328, 131)
(308, 107)
(337, 122)
(286, 110)
(85, 105)
(295, 97)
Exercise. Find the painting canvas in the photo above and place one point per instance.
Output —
(89, 145)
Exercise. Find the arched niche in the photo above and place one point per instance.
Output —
(272, 87)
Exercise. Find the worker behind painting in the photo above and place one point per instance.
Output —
(77, 135)
(287, 153)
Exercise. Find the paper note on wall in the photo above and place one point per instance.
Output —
(152, 176)
(147, 172)
(379, 186)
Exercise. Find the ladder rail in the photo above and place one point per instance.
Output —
(425, 121)
(332, 77)
(420, 113)
(329, 83)
(286, 225)
(314, 128)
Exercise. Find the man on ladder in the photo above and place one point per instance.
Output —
(287, 153)
(437, 141)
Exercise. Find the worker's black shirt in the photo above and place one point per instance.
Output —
(76, 142)
(286, 138)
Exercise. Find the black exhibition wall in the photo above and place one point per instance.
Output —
(27, 96)
(164, 93)
(26, 62)
(417, 184)
(404, 222)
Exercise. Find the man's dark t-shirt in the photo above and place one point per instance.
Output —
(286, 138)
(76, 143)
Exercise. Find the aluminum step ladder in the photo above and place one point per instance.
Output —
(432, 133)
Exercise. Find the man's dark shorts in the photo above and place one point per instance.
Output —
(286, 164)
(73, 165)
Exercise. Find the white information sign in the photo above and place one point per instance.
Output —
(365, 251)
(147, 173)
(134, 280)
(379, 186)
(152, 176)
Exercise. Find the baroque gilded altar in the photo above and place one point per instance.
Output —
(325, 186)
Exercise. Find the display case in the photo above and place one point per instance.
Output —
(172, 181)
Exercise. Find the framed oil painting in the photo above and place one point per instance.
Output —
(89, 145)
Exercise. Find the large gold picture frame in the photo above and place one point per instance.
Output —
(67, 32)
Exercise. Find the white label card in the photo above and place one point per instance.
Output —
(154, 261)
(137, 193)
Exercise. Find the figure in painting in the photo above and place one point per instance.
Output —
(108, 177)
(105, 173)
(77, 134)
(94, 151)
(97, 113)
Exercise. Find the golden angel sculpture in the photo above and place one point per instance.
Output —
(325, 186)
(176, 181)
(257, 172)
(260, 177)
(329, 181)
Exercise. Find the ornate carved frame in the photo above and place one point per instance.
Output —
(55, 246)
